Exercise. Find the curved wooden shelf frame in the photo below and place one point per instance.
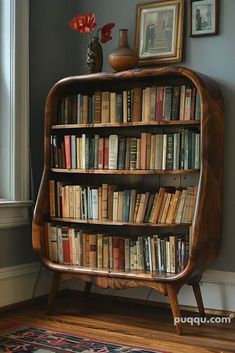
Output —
(109, 273)
(207, 221)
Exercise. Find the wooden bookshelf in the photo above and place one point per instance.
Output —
(205, 228)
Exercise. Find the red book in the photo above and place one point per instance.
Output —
(67, 146)
(159, 103)
(106, 153)
(118, 254)
(65, 241)
(101, 153)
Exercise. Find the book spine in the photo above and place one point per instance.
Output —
(119, 115)
(96, 151)
(67, 144)
(113, 151)
(98, 99)
(167, 102)
(113, 107)
(133, 154)
(121, 153)
(104, 202)
(170, 152)
(137, 103)
(175, 103)
(73, 152)
(105, 107)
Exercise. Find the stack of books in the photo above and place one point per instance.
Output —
(108, 203)
(71, 245)
(171, 151)
(140, 104)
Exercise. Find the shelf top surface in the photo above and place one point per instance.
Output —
(129, 124)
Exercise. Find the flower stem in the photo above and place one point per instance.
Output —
(97, 32)
(89, 36)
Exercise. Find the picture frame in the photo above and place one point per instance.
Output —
(204, 17)
(159, 31)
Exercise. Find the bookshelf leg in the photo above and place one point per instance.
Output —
(172, 295)
(87, 290)
(53, 290)
(198, 296)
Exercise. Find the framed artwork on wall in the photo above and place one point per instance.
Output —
(203, 17)
(159, 31)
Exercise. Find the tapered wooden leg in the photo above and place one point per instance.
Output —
(172, 295)
(52, 294)
(198, 296)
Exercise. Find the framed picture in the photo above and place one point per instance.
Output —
(159, 31)
(204, 17)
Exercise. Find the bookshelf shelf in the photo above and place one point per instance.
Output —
(127, 125)
(166, 172)
(131, 274)
(127, 172)
(128, 224)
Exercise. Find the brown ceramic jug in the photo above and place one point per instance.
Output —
(123, 57)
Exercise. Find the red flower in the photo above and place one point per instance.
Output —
(87, 22)
(106, 32)
(83, 23)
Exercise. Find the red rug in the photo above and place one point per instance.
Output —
(34, 339)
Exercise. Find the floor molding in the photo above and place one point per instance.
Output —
(219, 277)
(19, 270)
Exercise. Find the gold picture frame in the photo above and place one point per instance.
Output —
(159, 31)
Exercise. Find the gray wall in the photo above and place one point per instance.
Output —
(16, 246)
(53, 55)
(56, 51)
(51, 58)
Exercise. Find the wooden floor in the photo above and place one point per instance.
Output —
(128, 323)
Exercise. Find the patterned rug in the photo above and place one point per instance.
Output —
(40, 340)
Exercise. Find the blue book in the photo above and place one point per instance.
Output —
(73, 152)
(127, 195)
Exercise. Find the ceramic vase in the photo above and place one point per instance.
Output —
(123, 57)
(94, 61)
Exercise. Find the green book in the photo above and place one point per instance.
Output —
(119, 108)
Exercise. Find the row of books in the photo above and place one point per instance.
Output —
(162, 103)
(107, 203)
(70, 245)
(172, 151)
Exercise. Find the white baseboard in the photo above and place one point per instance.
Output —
(22, 282)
